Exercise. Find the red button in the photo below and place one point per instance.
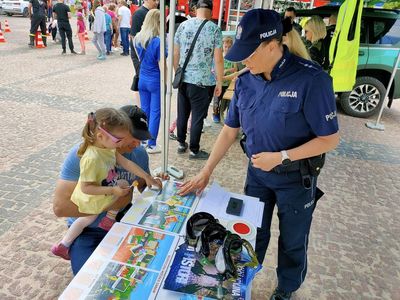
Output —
(241, 228)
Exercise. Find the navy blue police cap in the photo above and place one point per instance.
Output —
(256, 26)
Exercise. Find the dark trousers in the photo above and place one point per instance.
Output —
(195, 99)
(107, 40)
(66, 31)
(36, 22)
(295, 205)
(124, 32)
(217, 101)
(83, 246)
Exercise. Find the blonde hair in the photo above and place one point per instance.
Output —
(296, 46)
(317, 27)
(150, 28)
(109, 119)
(227, 39)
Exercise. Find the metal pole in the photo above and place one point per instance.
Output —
(238, 14)
(169, 74)
(221, 10)
(377, 125)
(162, 81)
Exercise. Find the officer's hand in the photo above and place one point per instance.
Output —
(196, 184)
(266, 161)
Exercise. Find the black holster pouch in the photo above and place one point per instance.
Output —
(243, 142)
(311, 167)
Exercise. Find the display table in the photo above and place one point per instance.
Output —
(135, 257)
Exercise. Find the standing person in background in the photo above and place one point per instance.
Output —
(109, 28)
(49, 10)
(62, 12)
(198, 87)
(147, 45)
(99, 28)
(124, 17)
(80, 31)
(290, 12)
(136, 25)
(114, 22)
(37, 13)
(315, 32)
(286, 108)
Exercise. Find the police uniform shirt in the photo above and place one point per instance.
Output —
(297, 105)
(38, 7)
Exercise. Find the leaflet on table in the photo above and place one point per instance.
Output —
(165, 210)
(216, 199)
(187, 275)
(129, 263)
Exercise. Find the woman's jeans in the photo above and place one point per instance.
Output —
(107, 37)
(150, 102)
(125, 39)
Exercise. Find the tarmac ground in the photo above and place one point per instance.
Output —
(354, 247)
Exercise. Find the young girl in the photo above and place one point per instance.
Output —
(81, 28)
(97, 186)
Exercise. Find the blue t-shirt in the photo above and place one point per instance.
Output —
(297, 105)
(108, 21)
(70, 171)
(201, 61)
(149, 58)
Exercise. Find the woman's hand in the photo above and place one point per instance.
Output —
(120, 191)
(266, 161)
(196, 184)
(150, 182)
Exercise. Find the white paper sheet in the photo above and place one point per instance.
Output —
(215, 201)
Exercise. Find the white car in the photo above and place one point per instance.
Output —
(15, 7)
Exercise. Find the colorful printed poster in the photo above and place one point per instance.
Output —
(164, 210)
(165, 217)
(187, 275)
(129, 263)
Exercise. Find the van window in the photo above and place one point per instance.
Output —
(385, 32)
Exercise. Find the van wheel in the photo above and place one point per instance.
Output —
(25, 12)
(8, 14)
(365, 99)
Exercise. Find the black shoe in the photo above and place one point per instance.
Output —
(64, 52)
(172, 136)
(182, 147)
(73, 52)
(201, 155)
(280, 295)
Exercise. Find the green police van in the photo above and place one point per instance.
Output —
(379, 47)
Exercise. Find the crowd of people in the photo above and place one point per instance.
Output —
(283, 103)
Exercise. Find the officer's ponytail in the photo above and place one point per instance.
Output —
(291, 38)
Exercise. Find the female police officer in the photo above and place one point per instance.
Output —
(286, 108)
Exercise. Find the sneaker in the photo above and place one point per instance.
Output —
(106, 223)
(74, 52)
(153, 149)
(61, 250)
(64, 52)
(182, 147)
(172, 136)
(201, 155)
(82, 53)
(216, 119)
(280, 295)
(101, 57)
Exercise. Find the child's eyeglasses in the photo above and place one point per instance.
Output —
(113, 138)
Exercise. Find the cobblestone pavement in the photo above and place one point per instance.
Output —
(354, 250)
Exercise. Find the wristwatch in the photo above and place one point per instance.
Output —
(285, 158)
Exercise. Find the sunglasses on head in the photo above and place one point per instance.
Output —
(113, 138)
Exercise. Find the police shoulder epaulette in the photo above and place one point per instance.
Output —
(243, 73)
(310, 66)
